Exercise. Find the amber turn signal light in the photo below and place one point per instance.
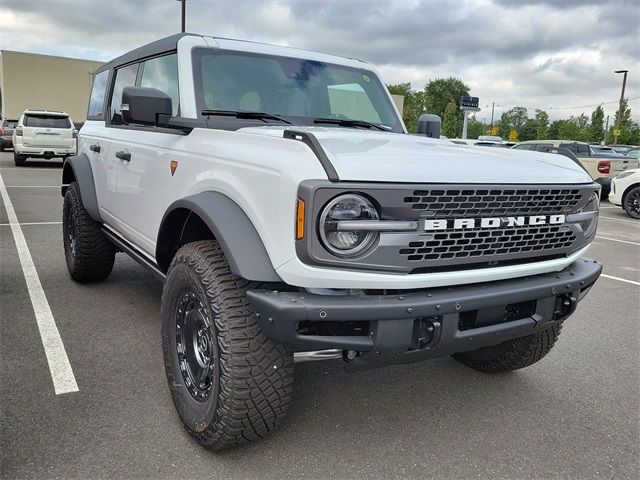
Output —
(300, 220)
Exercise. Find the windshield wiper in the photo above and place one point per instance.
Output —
(245, 114)
(351, 123)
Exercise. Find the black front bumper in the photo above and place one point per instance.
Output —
(410, 327)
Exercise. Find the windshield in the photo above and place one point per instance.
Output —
(297, 89)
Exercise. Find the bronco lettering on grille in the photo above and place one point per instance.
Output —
(490, 222)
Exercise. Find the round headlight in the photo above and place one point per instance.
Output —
(337, 238)
(590, 223)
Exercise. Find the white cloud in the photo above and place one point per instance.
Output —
(531, 53)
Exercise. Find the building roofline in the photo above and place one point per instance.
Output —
(4, 50)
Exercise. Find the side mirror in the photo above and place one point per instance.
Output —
(142, 105)
(429, 125)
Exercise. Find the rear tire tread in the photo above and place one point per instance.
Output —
(95, 254)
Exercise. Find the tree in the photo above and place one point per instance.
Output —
(554, 130)
(413, 104)
(528, 130)
(440, 92)
(450, 121)
(574, 128)
(504, 126)
(596, 130)
(542, 125)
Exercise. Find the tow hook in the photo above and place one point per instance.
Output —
(565, 305)
(427, 333)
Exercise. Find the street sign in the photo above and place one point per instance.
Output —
(469, 102)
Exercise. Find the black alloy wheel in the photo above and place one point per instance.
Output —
(631, 203)
(195, 346)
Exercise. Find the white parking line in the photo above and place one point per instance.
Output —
(620, 219)
(620, 279)
(31, 223)
(617, 240)
(64, 381)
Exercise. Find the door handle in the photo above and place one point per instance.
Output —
(95, 148)
(126, 156)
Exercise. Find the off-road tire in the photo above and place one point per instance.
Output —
(90, 258)
(512, 354)
(630, 203)
(19, 160)
(251, 379)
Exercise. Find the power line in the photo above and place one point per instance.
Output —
(566, 107)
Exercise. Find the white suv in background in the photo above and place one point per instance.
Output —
(43, 134)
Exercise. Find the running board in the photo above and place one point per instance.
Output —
(130, 250)
(331, 354)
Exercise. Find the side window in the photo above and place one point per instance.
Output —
(125, 77)
(526, 146)
(162, 73)
(96, 102)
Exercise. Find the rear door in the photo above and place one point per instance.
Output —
(44, 130)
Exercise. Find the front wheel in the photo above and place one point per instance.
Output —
(230, 383)
(631, 202)
(512, 354)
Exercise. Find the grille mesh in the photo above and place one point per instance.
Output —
(484, 242)
(492, 202)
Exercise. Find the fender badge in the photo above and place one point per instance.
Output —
(173, 165)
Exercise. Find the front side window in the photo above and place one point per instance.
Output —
(162, 73)
(299, 90)
(96, 102)
(125, 77)
(523, 147)
(45, 121)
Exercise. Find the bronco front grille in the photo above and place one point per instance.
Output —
(461, 244)
(492, 202)
(515, 240)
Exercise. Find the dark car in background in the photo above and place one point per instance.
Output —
(6, 131)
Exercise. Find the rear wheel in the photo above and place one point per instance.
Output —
(19, 160)
(88, 252)
(512, 354)
(631, 202)
(230, 383)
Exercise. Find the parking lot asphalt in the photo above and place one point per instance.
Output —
(575, 414)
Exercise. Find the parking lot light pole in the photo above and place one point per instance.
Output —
(184, 11)
(620, 112)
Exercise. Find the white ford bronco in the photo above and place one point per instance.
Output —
(291, 217)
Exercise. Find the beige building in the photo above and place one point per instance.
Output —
(44, 82)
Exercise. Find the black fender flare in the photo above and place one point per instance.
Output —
(79, 167)
(242, 246)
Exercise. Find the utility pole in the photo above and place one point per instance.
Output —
(616, 131)
(606, 130)
(184, 13)
(493, 104)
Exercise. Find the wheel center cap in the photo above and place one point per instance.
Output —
(203, 343)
